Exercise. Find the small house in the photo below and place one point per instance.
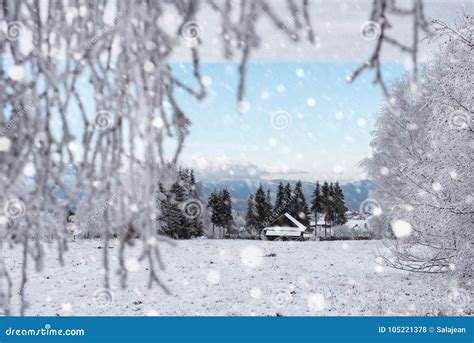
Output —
(286, 227)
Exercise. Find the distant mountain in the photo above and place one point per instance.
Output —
(354, 192)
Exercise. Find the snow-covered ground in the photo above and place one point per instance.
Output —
(239, 277)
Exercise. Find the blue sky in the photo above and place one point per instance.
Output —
(328, 131)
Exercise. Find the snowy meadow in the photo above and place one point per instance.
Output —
(238, 157)
(242, 278)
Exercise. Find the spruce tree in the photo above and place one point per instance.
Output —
(340, 205)
(225, 208)
(213, 204)
(177, 220)
(331, 208)
(280, 198)
(325, 193)
(300, 207)
(251, 216)
(288, 192)
(261, 207)
(268, 205)
(316, 204)
(288, 198)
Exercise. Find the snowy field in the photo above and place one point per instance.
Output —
(239, 278)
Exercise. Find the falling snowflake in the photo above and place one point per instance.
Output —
(401, 228)
(213, 276)
(132, 264)
(316, 302)
(5, 144)
(16, 73)
(311, 102)
(251, 256)
(255, 293)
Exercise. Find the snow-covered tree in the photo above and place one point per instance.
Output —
(316, 202)
(96, 94)
(422, 162)
(340, 209)
(299, 208)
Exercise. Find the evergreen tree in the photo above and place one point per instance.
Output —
(225, 208)
(288, 193)
(220, 204)
(300, 207)
(268, 205)
(316, 202)
(176, 220)
(213, 204)
(289, 200)
(340, 205)
(280, 205)
(251, 216)
(261, 207)
(325, 193)
(330, 206)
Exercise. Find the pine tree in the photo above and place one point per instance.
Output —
(177, 220)
(280, 204)
(325, 193)
(251, 216)
(268, 205)
(225, 208)
(288, 199)
(213, 204)
(331, 208)
(316, 204)
(261, 207)
(300, 207)
(340, 206)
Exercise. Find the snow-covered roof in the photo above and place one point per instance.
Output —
(294, 221)
(287, 231)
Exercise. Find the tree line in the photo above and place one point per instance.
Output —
(181, 210)
(327, 202)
